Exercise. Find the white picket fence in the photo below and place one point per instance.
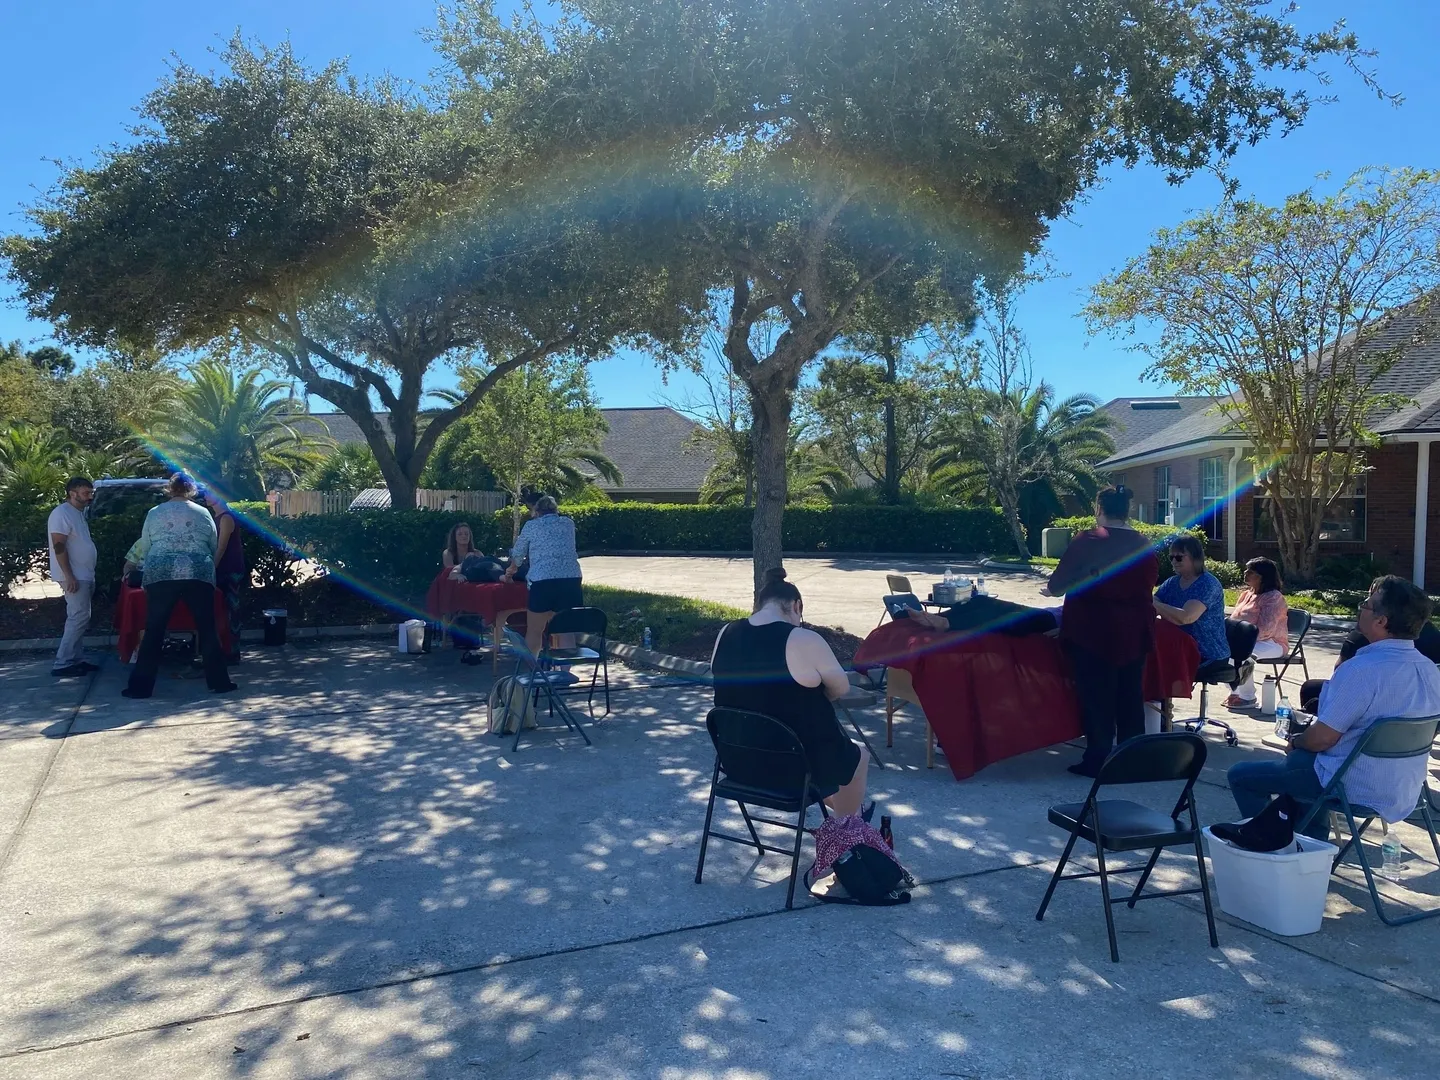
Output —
(288, 504)
(464, 502)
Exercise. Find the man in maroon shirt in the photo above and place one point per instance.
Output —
(1107, 576)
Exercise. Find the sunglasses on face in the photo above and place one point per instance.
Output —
(1177, 558)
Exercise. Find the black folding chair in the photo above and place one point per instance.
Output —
(763, 764)
(1120, 825)
(1241, 637)
(530, 678)
(1396, 739)
(588, 621)
(1297, 624)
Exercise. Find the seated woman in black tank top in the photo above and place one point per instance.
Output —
(769, 664)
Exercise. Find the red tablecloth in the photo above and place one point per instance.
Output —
(130, 611)
(448, 597)
(992, 696)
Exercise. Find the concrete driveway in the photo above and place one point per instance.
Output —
(336, 873)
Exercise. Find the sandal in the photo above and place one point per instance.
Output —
(1235, 701)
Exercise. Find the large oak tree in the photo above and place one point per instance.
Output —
(344, 231)
(793, 153)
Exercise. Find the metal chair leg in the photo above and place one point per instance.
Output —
(1105, 895)
(1144, 877)
(606, 660)
(1204, 878)
(795, 859)
(709, 814)
(751, 826)
(1055, 877)
(1375, 898)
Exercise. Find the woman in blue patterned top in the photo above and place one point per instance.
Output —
(1194, 600)
(546, 546)
(177, 548)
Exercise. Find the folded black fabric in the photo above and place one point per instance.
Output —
(1270, 830)
(989, 615)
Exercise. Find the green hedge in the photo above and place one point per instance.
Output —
(23, 547)
(653, 527)
(394, 551)
(397, 552)
(1229, 574)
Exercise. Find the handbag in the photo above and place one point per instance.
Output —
(863, 864)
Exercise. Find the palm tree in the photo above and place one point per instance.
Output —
(810, 473)
(351, 467)
(1026, 451)
(235, 430)
(33, 465)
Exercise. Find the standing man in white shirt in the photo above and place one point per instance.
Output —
(72, 567)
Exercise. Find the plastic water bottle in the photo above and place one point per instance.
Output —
(1282, 717)
(980, 584)
(1394, 856)
(646, 639)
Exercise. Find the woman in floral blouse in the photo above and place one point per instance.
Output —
(1262, 604)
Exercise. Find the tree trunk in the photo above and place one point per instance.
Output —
(1010, 503)
(397, 478)
(892, 439)
(771, 434)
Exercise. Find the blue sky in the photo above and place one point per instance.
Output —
(80, 67)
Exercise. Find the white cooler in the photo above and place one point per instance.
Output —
(1283, 893)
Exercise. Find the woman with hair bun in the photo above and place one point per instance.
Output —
(177, 547)
(770, 664)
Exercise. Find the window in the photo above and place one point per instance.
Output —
(1344, 521)
(1212, 497)
(1162, 494)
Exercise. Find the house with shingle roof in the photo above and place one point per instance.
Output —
(1186, 464)
(654, 448)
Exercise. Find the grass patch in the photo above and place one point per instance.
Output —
(682, 626)
(675, 622)
(1341, 602)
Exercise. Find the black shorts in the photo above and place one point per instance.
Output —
(556, 594)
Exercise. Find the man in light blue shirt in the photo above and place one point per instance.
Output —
(1388, 678)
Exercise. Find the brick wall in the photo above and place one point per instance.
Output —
(1389, 518)
(1390, 510)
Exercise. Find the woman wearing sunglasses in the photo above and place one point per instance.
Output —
(1194, 600)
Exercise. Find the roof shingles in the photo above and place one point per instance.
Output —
(652, 447)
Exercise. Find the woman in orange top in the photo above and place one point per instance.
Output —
(1262, 604)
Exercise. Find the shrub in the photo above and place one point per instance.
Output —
(655, 527)
(1230, 574)
(23, 547)
(392, 551)
(113, 535)
(1159, 536)
(1349, 572)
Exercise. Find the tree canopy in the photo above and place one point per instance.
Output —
(793, 156)
(346, 232)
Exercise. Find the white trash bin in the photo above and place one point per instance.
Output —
(1283, 893)
(412, 636)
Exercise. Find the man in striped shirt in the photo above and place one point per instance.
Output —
(1388, 678)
